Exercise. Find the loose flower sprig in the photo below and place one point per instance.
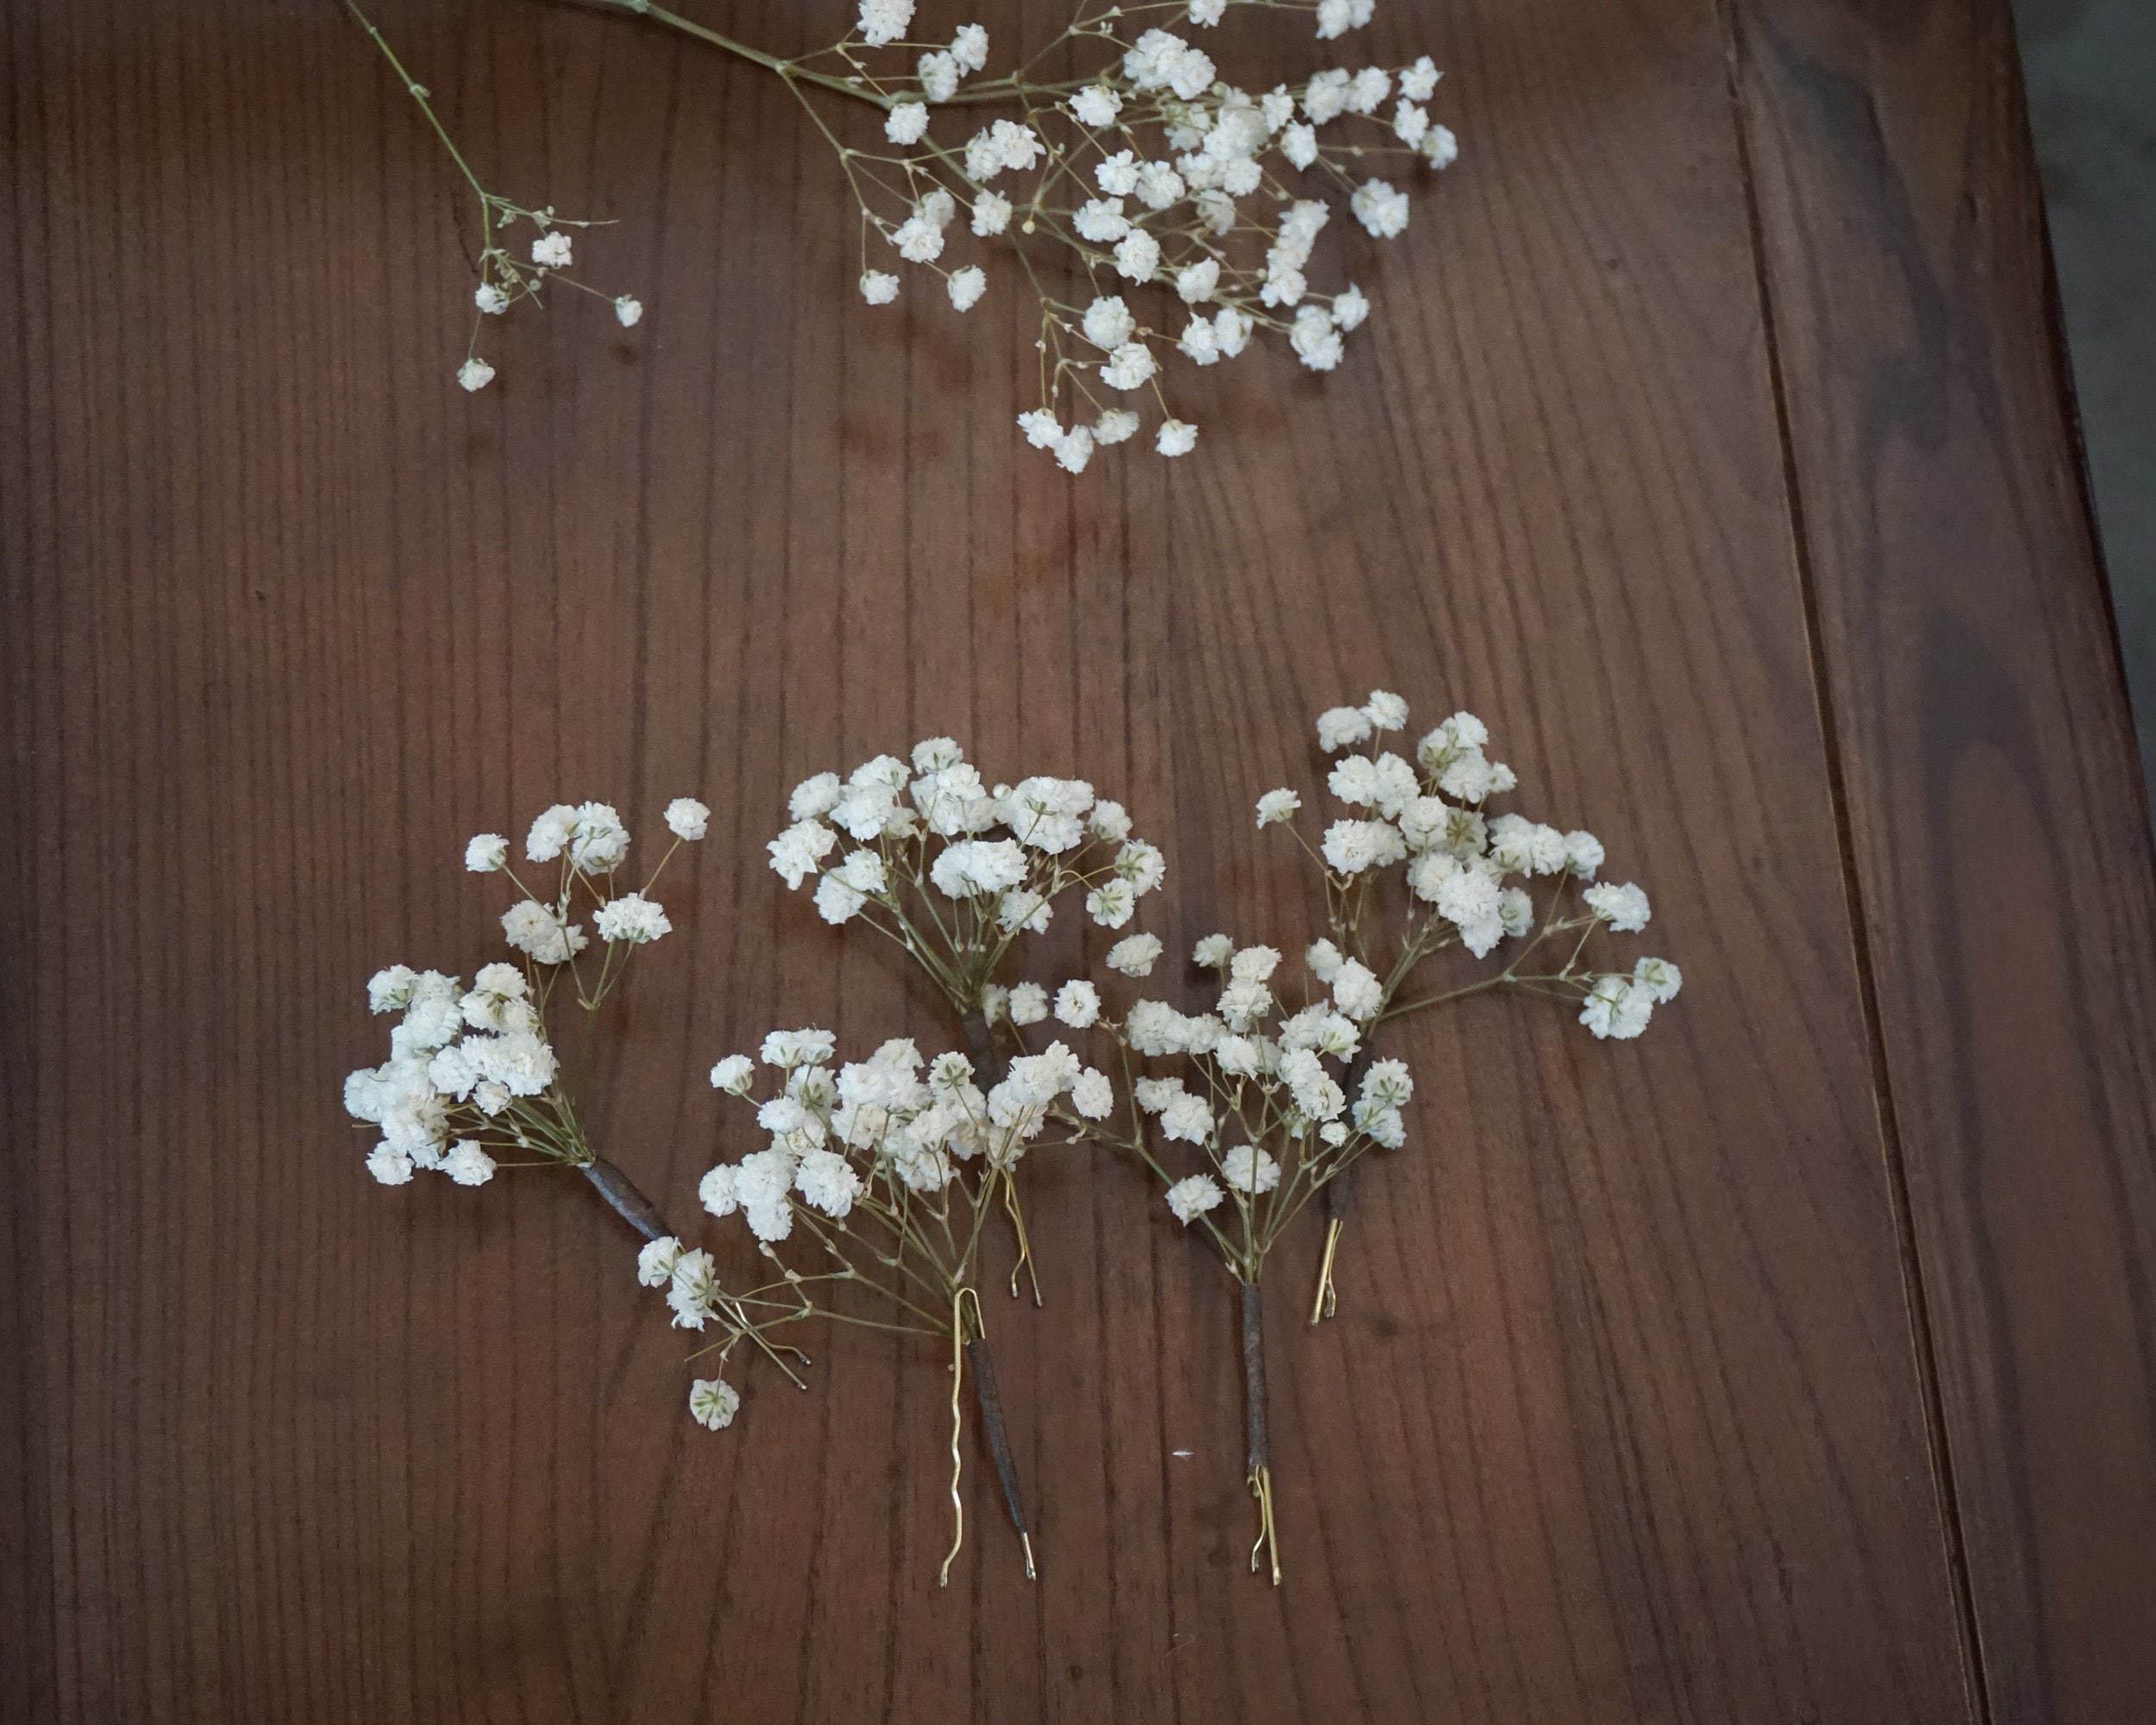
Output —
(1147, 172)
(887, 1177)
(474, 1083)
(504, 280)
(953, 870)
(1267, 1123)
(1423, 864)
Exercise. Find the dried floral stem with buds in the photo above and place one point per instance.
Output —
(473, 1083)
(1145, 172)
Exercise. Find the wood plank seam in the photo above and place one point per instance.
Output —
(1952, 1532)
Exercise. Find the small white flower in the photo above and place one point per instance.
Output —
(1583, 854)
(734, 1073)
(1250, 1169)
(795, 852)
(918, 240)
(1108, 322)
(1420, 81)
(1624, 908)
(1439, 148)
(468, 1164)
(1199, 281)
(1206, 13)
(1410, 124)
(1078, 1004)
(1275, 806)
(1136, 955)
(1075, 449)
(388, 1165)
(969, 48)
(1027, 1003)
(1176, 437)
(1092, 1094)
(1190, 1198)
(628, 310)
(713, 1403)
(655, 1262)
(1380, 209)
(879, 287)
(1324, 960)
(906, 123)
(1213, 952)
(551, 251)
(1299, 143)
(991, 213)
(1096, 105)
(1659, 978)
(489, 299)
(475, 375)
(1357, 991)
(1368, 89)
(631, 917)
(1315, 338)
(486, 853)
(1129, 366)
(967, 285)
(1339, 726)
(1138, 258)
(687, 818)
(1114, 425)
(1338, 17)
(533, 928)
(940, 74)
(884, 21)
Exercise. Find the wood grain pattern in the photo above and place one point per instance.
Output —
(1624, 1417)
(1999, 843)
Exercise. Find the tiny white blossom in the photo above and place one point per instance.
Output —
(687, 818)
(1197, 282)
(940, 74)
(486, 853)
(475, 375)
(1176, 437)
(1420, 81)
(1115, 425)
(1659, 977)
(1624, 908)
(655, 1262)
(1138, 258)
(1250, 1169)
(1096, 105)
(1092, 1094)
(906, 123)
(1108, 322)
(551, 251)
(967, 285)
(489, 299)
(1027, 1003)
(1338, 17)
(389, 1164)
(1136, 955)
(1275, 806)
(734, 1073)
(468, 1164)
(713, 1403)
(628, 312)
(1439, 148)
(991, 213)
(1213, 952)
(1078, 1004)
(969, 48)
(879, 287)
(884, 21)
(1380, 209)
(631, 917)
(1190, 1198)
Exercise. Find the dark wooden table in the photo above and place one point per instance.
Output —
(1796, 1363)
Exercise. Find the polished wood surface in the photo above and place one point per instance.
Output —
(1709, 440)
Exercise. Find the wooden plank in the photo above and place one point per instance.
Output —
(1623, 1419)
(1998, 832)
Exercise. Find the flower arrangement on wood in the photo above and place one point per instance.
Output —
(1187, 210)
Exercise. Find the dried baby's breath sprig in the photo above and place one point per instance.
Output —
(888, 1179)
(1146, 170)
(1249, 1125)
(1424, 865)
(473, 1083)
(504, 279)
(1145, 174)
(954, 870)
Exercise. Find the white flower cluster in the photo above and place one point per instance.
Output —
(879, 1121)
(1468, 869)
(996, 858)
(1152, 171)
(1255, 1097)
(471, 1068)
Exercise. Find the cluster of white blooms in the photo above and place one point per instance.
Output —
(879, 1125)
(1468, 870)
(995, 858)
(459, 1061)
(474, 1069)
(1261, 1093)
(1154, 173)
(1148, 169)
